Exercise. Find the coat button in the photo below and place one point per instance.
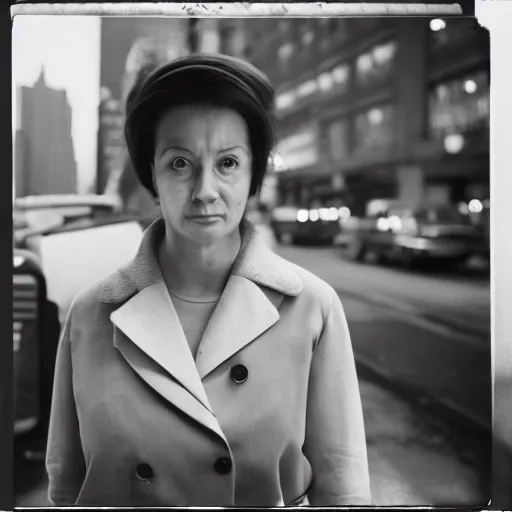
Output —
(223, 465)
(144, 472)
(239, 373)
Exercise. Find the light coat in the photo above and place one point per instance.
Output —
(129, 397)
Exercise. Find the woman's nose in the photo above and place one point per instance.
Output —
(205, 190)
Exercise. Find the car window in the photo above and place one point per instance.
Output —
(398, 212)
(442, 215)
(72, 260)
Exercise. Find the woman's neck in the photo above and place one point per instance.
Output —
(194, 270)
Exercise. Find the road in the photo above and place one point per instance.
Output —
(422, 354)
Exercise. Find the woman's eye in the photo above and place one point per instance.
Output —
(229, 164)
(179, 164)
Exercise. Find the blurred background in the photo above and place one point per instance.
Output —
(379, 184)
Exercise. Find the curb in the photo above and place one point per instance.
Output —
(443, 409)
(474, 332)
(474, 335)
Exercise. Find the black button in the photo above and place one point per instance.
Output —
(144, 472)
(223, 465)
(239, 373)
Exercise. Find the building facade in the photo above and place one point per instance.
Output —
(44, 161)
(127, 45)
(377, 107)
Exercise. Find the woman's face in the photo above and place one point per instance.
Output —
(202, 171)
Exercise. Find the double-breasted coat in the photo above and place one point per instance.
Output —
(268, 413)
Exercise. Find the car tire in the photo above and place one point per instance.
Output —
(407, 259)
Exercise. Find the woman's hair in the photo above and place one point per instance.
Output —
(211, 80)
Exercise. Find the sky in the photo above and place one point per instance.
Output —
(69, 49)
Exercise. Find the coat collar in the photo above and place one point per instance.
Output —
(255, 262)
(148, 332)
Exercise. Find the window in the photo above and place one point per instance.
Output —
(375, 64)
(285, 100)
(286, 51)
(341, 75)
(374, 128)
(308, 37)
(299, 149)
(307, 88)
(325, 82)
(337, 135)
(336, 78)
(284, 26)
(452, 32)
(460, 105)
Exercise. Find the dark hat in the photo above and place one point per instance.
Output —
(219, 80)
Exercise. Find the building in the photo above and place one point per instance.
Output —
(127, 45)
(377, 107)
(44, 161)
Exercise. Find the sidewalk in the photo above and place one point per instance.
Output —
(412, 459)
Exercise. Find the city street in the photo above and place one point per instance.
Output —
(383, 121)
(429, 332)
(413, 368)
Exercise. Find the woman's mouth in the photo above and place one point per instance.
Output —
(205, 219)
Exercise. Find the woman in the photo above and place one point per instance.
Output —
(208, 371)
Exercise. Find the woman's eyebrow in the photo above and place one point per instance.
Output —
(169, 147)
(232, 148)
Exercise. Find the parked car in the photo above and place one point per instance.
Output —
(36, 331)
(61, 245)
(300, 225)
(398, 232)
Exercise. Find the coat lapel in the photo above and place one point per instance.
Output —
(168, 388)
(242, 314)
(151, 322)
(249, 304)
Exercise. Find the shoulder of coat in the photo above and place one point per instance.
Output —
(315, 286)
(111, 289)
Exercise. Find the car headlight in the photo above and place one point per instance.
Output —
(382, 224)
(302, 215)
(395, 223)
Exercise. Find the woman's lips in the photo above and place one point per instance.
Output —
(205, 219)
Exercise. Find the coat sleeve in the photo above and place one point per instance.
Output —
(335, 436)
(65, 462)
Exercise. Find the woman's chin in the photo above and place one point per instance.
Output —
(206, 233)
